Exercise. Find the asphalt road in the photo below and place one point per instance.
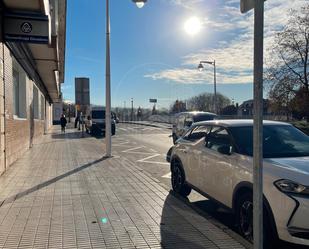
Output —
(147, 147)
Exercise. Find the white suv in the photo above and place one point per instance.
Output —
(215, 159)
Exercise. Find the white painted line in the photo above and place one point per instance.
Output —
(162, 163)
(145, 160)
(168, 175)
(122, 143)
(147, 129)
(139, 153)
(136, 148)
(122, 129)
(149, 157)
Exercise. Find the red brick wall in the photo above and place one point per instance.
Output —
(17, 130)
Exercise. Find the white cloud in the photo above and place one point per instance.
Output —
(234, 58)
(65, 87)
(188, 4)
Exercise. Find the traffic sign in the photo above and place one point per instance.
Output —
(153, 100)
(246, 5)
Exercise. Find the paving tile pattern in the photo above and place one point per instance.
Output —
(63, 194)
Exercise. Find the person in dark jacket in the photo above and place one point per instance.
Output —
(63, 123)
(76, 120)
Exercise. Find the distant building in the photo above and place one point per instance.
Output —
(82, 95)
(32, 57)
(246, 108)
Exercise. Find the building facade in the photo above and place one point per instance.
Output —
(30, 77)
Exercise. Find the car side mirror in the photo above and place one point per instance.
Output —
(225, 149)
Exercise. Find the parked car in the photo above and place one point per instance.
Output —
(215, 159)
(184, 120)
(95, 122)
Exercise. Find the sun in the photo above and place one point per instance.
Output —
(193, 26)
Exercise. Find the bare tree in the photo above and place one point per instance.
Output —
(288, 71)
(178, 106)
(205, 102)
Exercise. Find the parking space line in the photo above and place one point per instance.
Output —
(135, 148)
(121, 143)
(168, 175)
(149, 157)
(145, 160)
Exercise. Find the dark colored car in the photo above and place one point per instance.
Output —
(95, 123)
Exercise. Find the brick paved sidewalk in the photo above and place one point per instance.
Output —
(63, 194)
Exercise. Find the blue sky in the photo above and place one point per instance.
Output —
(152, 56)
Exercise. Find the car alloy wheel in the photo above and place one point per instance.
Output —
(177, 179)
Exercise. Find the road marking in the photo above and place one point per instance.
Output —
(168, 175)
(130, 150)
(122, 143)
(149, 157)
(162, 163)
(147, 129)
(145, 160)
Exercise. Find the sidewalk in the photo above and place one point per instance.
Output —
(64, 194)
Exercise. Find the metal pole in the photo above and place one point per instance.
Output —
(131, 109)
(215, 87)
(124, 112)
(258, 126)
(108, 138)
(45, 117)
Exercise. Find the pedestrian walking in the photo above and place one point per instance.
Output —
(63, 123)
(76, 120)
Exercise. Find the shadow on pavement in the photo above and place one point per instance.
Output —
(176, 231)
(213, 210)
(69, 135)
(49, 182)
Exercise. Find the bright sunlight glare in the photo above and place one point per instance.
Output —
(193, 25)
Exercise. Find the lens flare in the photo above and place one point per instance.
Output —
(193, 26)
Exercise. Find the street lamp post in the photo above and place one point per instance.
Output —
(108, 135)
(131, 109)
(201, 67)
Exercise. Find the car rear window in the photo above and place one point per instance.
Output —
(98, 114)
(278, 141)
(203, 117)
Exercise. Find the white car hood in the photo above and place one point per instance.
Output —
(296, 164)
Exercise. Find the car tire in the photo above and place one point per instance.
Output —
(244, 221)
(93, 132)
(178, 181)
